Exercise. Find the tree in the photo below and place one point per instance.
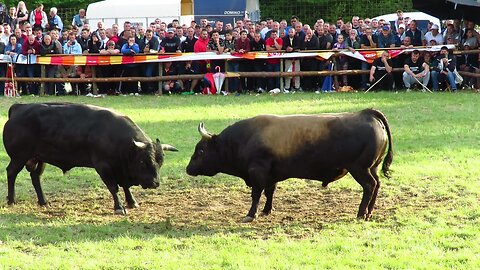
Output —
(310, 10)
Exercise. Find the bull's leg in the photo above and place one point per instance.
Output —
(256, 194)
(35, 175)
(117, 205)
(13, 168)
(105, 173)
(269, 203)
(131, 202)
(374, 173)
(368, 183)
(258, 175)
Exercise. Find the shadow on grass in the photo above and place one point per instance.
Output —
(42, 231)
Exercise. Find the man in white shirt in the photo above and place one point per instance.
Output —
(434, 34)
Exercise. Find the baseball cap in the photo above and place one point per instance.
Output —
(449, 22)
(434, 27)
(401, 26)
(386, 27)
(171, 30)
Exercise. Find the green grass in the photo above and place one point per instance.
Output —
(427, 214)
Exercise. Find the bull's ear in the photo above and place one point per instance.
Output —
(203, 132)
(140, 145)
(168, 147)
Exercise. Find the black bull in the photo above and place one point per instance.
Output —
(73, 135)
(267, 149)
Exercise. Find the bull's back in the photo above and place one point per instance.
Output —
(53, 128)
(310, 140)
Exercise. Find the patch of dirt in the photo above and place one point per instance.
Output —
(298, 211)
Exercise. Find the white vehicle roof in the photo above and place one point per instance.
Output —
(419, 16)
(141, 12)
(110, 9)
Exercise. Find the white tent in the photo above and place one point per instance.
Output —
(140, 12)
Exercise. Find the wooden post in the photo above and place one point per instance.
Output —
(226, 70)
(160, 73)
(282, 64)
(335, 78)
(42, 84)
(94, 84)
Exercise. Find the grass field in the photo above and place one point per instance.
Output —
(427, 215)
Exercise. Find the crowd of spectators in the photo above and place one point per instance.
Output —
(36, 32)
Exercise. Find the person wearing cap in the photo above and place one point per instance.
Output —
(399, 35)
(386, 39)
(171, 43)
(434, 34)
(451, 33)
(468, 63)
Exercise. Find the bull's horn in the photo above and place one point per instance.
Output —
(168, 147)
(140, 144)
(203, 131)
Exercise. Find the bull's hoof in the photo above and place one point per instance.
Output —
(361, 217)
(43, 204)
(121, 212)
(265, 213)
(248, 219)
(133, 205)
(11, 202)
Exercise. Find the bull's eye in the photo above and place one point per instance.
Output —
(200, 152)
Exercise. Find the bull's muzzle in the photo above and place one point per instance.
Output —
(150, 185)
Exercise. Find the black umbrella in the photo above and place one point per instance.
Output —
(450, 9)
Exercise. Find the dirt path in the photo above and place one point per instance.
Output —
(219, 208)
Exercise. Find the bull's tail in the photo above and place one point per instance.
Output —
(387, 161)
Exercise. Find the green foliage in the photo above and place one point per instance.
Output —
(310, 10)
(53, 3)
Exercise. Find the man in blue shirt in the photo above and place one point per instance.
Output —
(130, 70)
(72, 46)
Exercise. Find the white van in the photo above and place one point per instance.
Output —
(422, 19)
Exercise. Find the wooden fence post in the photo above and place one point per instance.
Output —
(160, 73)
(282, 64)
(226, 70)
(42, 84)
(94, 84)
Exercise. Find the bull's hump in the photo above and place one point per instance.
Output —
(286, 135)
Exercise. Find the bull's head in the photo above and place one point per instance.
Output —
(144, 164)
(205, 159)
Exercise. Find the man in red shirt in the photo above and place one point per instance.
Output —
(31, 47)
(198, 67)
(201, 46)
(273, 43)
(242, 46)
